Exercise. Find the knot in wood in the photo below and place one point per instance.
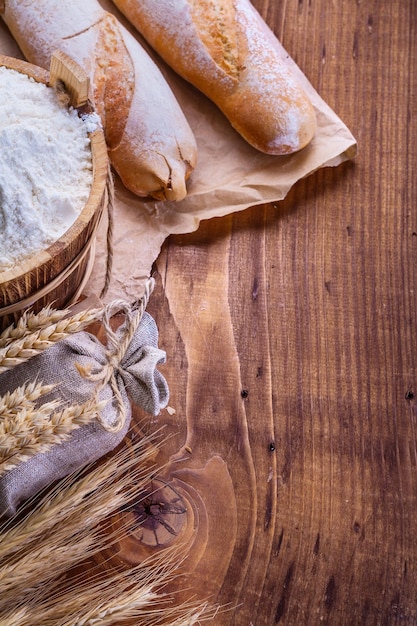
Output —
(159, 516)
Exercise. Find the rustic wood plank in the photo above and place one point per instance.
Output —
(292, 363)
(290, 335)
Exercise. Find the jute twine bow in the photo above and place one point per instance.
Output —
(117, 346)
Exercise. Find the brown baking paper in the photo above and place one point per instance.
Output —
(230, 176)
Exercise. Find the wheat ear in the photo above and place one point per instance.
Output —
(69, 525)
(74, 498)
(129, 595)
(74, 534)
(35, 430)
(133, 594)
(34, 341)
(79, 535)
(22, 397)
(31, 322)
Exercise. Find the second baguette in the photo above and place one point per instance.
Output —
(226, 50)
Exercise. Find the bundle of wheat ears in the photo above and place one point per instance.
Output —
(48, 543)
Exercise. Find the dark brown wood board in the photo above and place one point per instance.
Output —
(290, 331)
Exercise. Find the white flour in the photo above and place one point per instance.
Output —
(45, 167)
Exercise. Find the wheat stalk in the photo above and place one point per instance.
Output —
(71, 537)
(22, 397)
(69, 544)
(17, 617)
(128, 595)
(72, 521)
(76, 498)
(33, 430)
(117, 607)
(37, 567)
(30, 322)
(106, 600)
(34, 340)
(97, 602)
(31, 571)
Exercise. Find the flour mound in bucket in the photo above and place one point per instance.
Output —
(46, 170)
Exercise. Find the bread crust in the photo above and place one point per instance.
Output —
(150, 142)
(225, 49)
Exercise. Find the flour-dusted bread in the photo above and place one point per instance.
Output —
(225, 49)
(150, 143)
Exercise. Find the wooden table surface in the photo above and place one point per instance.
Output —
(292, 355)
(290, 331)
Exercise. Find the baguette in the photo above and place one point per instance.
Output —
(226, 50)
(150, 143)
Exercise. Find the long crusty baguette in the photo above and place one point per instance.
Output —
(225, 49)
(150, 143)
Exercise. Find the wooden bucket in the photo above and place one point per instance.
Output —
(57, 274)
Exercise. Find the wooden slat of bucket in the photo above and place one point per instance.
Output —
(75, 80)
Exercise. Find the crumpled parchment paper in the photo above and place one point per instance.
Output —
(230, 176)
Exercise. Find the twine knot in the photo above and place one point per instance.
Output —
(113, 362)
(117, 346)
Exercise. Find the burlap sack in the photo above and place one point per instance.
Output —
(136, 377)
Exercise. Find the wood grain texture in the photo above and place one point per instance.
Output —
(292, 361)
